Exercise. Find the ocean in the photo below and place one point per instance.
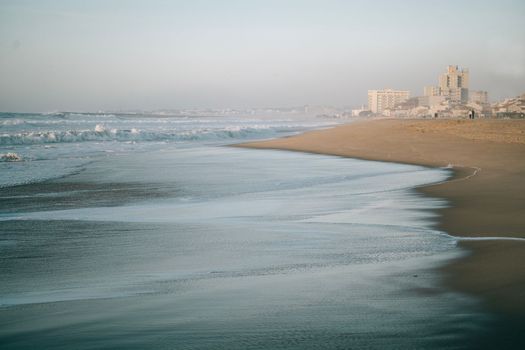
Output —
(149, 231)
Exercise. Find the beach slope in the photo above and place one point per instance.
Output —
(486, 194)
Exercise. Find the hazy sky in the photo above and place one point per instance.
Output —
(91, 55)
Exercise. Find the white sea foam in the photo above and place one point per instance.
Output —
(103, 133)
(55, 144)
(10, 157)
(9, 122)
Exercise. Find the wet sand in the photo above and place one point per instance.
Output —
(486, 193)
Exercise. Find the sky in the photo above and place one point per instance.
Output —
(152, 54)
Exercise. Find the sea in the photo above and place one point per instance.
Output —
(144, 231)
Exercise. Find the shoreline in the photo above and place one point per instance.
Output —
(485, 192)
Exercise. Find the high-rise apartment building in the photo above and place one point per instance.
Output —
(379, 100)
(453, 85)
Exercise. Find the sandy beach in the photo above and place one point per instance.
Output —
(486, 194)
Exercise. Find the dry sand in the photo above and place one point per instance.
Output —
(486, 194)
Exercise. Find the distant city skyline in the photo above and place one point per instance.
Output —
(124, 55)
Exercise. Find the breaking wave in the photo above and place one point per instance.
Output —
(10, 157)
(101, 133)
(11, 122)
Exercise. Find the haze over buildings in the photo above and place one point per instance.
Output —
(451, 98)
(92, 55)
